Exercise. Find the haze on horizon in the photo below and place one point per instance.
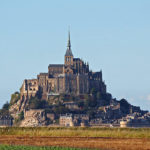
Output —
(111, 35)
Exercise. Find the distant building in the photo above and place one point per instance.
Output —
(72, 77)
(6, 121)
(73, 119)
(71, 105)
(66, 120)
(135, 123)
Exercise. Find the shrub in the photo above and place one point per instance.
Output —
(21, 116)
(14, 98)
(125, 106)
(6, 106)
(35, 103)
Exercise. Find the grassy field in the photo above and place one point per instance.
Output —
(78, 132)
(8, 147)
(93, 138)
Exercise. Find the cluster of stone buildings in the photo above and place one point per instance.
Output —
(71, 120)
(6, 120)
(72, 77)
(136, 120)
(38, 117)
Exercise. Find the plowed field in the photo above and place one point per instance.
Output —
(80, 142)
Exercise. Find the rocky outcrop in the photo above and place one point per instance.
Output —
(34, 118)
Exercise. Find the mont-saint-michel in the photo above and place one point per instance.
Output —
(69, 94)
(87, 88)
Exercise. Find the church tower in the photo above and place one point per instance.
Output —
(69, 55)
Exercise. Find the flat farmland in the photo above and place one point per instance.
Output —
(93, 138)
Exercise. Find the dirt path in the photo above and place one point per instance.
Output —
(104, 143)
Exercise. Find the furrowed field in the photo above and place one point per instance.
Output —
(77, 137)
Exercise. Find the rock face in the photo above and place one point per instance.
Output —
(34, 118)
(14, 109)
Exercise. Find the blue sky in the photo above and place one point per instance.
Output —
(111, 35)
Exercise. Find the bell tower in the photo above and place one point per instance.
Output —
(69, 55)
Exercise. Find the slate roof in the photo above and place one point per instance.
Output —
(76, 59)
(55, 65)
(68, 52)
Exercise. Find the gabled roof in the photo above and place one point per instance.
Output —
(55, 65)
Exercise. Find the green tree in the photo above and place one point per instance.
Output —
(5, 109)
(21, 116)
(39, 93)
(35, 103)
(61, 110)
(14, 98)
(124, 106)
(6, 106)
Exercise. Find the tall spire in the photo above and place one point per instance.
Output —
(69, 42)
(69, 52)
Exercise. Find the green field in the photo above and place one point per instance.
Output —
(78, 132)
(7, 147)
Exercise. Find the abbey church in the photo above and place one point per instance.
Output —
(72, 77)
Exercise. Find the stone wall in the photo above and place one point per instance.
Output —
(29, 88)
(55, 70)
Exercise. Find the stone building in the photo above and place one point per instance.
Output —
(6, 121)
(29, 88)
(73, 119)
(71, 105)
(66, 120)
(72, 77)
